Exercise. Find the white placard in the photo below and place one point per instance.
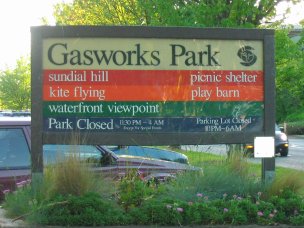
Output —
(263, 147)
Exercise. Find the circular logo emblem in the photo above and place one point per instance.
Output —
(245, 53)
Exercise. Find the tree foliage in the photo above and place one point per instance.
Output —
(15, 86)
(203, 13)
(289, 76)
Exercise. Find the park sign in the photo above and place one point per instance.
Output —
(151, 85)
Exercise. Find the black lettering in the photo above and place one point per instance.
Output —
(119, 55)
(193, 58)
(155, 56)
(103, 56)
(190, 61)
(175, 54)
(140, 57)
(75, 58)
(211, 57)
(50, 54)
(201, 57)
(130, 54)
(59, 54)
(88, 56)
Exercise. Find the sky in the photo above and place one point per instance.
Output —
(17, 16)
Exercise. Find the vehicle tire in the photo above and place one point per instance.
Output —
(284, 152)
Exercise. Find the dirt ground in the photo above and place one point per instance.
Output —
(6, 222)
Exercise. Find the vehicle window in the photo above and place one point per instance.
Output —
(150, 152)
(53, 153)
(277, 128)
(14, 151)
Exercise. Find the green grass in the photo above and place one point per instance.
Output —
(202, 159)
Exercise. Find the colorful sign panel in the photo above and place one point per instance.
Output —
(154, 85)
(119, 85)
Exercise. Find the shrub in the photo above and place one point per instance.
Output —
(295, 127)
(155, 212)
(87, 210)
(22, 202)
(222, 177)
(133, 191)
(291, 181)
(225, 193)
(296, 116)
(287, 205)
(72, 175)
(69, 176)
(297, 220)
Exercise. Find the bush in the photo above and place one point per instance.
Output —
(73, 176)
(232, 177)
(295, 128)
(22, 202)
(87, 210)
(69, 176)
(225, 193)
(292, 181)
(296, 116)
(288, 205)
(133, 191)
(155, 212)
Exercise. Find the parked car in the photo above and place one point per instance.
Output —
(150, 152)
(15, 162)
(281, 143)
(15, 113)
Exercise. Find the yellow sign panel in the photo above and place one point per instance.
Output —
(156, 54)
